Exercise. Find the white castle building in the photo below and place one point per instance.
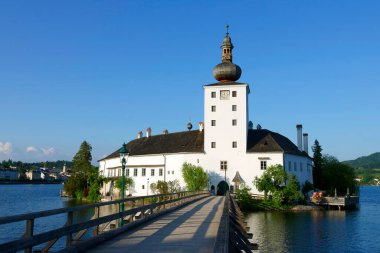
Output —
(225, 145)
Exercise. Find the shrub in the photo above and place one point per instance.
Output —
(244, 197)
(162, 187)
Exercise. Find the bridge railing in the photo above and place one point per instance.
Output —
(138, 210)
(232, 234)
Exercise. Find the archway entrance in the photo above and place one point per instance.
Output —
(222, 188)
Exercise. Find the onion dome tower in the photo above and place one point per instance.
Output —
(227, 71)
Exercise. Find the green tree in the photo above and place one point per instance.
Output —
(162, 187)
(128, 182)
(283, 187)
(86, 179)
(82, 159)
(317, 159)
(244, 198)
(291, 191)
(194, 176)
(337, 175)
(174, 186)
(273, 178)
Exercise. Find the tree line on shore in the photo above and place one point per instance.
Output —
(25, 166)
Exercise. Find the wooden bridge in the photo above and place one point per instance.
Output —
(178, 222)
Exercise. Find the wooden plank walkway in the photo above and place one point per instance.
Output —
(191, 229)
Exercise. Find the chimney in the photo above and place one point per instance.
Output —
(139, 134)
(201, 126)
(299, 136)
(306, 143)
(165, 131)
(148, 132)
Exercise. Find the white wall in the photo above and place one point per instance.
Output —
(171, 165)
(300, 166)
(224, 133)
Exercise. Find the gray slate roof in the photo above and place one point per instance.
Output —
(259, 140)
(189, 141)
(263, 140)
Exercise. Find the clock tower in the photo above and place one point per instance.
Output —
(226, 109)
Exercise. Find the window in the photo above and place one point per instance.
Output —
(213, 108)
(290, 166)
(172, 172)
(223, 165)
(234, 93)
(295, 166)
(234, 108)
(160, 172)
(234, 144)
(118, 172)
(152, 172)
(127, 173)
(135, 172)
(143, 172)
(213, 94)
(143, 187)
(263, 165)
(301, 167)
(234, 122)
(168, 172)
(213, 122)
(213, 144)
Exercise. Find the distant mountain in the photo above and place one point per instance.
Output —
(366, 162)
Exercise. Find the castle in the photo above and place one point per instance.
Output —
(226, 145)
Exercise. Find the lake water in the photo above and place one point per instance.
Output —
(26, 198)
(317, 231)
(320, 231)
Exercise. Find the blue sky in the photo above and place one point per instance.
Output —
(103, 70)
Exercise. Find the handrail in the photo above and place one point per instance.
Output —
(40, 214)
(29, 240)
(232, 234)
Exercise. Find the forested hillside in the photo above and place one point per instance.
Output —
(366, 162)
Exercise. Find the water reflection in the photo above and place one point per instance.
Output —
(315, 231)
(19, 199)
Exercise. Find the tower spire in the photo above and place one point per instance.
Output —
(227, 71)
(227, 46)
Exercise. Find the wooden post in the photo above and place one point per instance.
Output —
(29, 233)
(70, 218)
(97, 215)
(143, 211)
